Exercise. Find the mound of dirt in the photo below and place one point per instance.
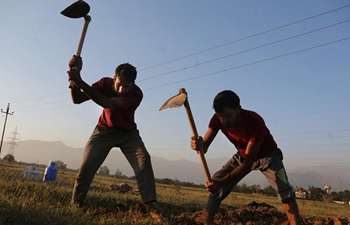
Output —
(262, 215)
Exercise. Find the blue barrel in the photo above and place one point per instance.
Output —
(51, 171)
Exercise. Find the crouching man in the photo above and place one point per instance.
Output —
(257, 150)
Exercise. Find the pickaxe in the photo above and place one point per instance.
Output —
(77, 10)
(177, 101)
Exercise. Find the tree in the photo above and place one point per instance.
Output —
(269, 191)
(61, 165)
(316, 192)
(103, 170)
(242, 188)
(341, 196)
(327, 198)
(119, 174)
(9, 158)
(255, 188)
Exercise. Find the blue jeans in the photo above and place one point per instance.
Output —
(271, 166)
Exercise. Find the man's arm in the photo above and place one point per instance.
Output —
(244, 168)
(208, 139)
(240, 171)
(78, 96)
(203, 143)
(91, 93)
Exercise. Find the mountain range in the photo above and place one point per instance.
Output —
(41, 152)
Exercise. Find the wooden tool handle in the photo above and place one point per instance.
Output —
(81, 42)
(195, 133)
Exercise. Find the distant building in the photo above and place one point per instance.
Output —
(303, 194)
(327, 189)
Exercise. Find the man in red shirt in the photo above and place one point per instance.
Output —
(257, 150)
(119, 97)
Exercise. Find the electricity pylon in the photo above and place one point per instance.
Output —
(13, 142)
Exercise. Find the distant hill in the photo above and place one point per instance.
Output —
(41, 152)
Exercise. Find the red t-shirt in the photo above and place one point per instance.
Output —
(250, 128)
(122, 118)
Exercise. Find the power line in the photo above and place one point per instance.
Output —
(245, 38)
(249, 64)
(321, 132)
(36, 110)
(222, 45)
(44, 103)
(227, 55)
(247, 50)
(299, 139)
(176, 142)
(232, 68)
(312, 152)
(311, 145)
(40, 97)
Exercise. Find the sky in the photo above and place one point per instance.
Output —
(288, 61)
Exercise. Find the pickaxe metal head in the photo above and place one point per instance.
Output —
(175, 101)
(77, 10)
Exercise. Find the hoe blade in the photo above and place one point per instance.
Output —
(77, 10)
(175, 101)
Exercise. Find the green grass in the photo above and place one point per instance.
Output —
(36, 202)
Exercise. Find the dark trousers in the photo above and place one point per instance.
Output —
(271, 166)
(97, 148)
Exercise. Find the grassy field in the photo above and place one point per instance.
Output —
(37, 202)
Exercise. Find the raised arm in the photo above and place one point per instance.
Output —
(78, 96)
(83, 92)
(91, 93)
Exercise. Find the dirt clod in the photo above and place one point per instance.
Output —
(255, 216)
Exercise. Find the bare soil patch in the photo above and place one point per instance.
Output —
(255, 216)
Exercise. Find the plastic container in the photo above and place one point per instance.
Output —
(51, 172)
(31, 173)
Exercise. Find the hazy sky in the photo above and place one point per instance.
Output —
(287, 60)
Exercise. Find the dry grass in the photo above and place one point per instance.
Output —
(36, 202)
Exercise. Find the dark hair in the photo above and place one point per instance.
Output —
(224, 99)
(126, 72)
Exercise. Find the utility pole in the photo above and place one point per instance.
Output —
(3, 130)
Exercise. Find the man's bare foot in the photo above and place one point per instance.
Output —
(158, 218)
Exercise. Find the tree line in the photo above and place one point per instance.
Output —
(314, 193)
